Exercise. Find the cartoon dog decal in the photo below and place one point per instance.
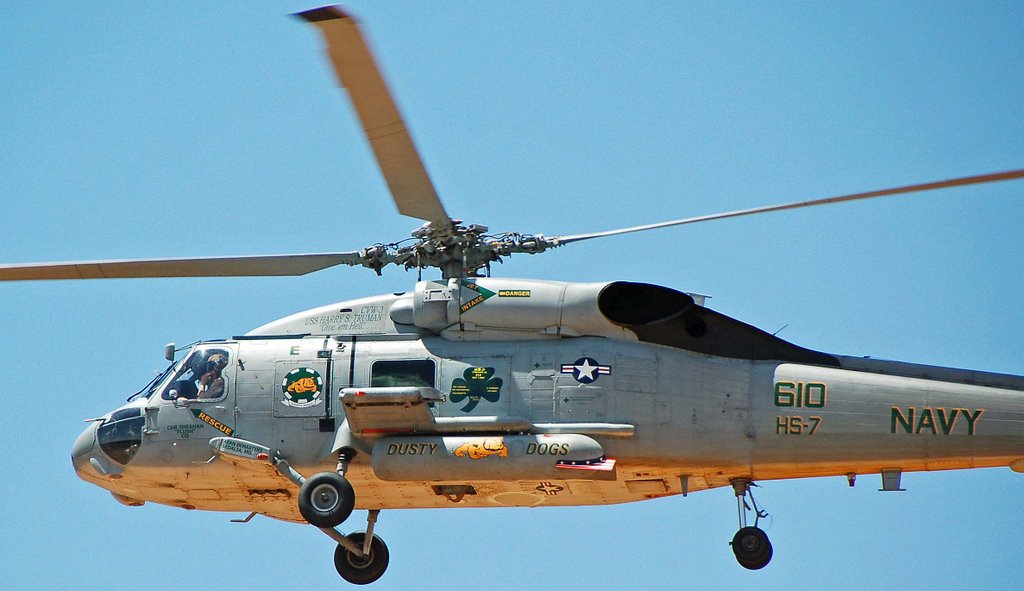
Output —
(481, 448)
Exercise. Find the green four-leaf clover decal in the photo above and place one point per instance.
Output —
(476, 383)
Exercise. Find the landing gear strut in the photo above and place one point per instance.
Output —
(361, 557)
(361, 568)
(751, 546)
(325, 500)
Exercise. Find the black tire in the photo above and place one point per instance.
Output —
(326, 499)
(365, 570)
(752, 548)
(759, 563)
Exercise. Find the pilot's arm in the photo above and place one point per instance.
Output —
(211, 385)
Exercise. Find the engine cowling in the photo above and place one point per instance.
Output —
(518, 306)
(494, 309)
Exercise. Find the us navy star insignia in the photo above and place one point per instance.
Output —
(549, 488)
(586, 370)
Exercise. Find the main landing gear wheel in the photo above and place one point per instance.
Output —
(365, 569)
(326, 499)
(752, 548)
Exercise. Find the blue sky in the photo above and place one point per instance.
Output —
(159, 130)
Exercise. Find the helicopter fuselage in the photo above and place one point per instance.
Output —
(470, 416)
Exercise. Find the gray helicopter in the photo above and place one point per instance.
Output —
(475, 391)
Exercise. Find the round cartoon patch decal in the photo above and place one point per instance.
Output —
(302, 387)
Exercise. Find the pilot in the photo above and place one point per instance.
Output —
(211, 383)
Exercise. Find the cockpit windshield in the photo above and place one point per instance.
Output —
(199, 376)
(151, 388)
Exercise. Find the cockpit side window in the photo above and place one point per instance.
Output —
(200, 376)
(415, 372)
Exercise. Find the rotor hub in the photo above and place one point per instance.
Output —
(456, 249)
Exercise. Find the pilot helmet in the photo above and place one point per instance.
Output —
(216, 361)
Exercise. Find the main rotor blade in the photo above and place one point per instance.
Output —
(244, 266)
(970, 180)
(396, 154)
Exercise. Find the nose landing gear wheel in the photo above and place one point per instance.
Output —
(326, 499)
(361, 570)
(752, 548)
